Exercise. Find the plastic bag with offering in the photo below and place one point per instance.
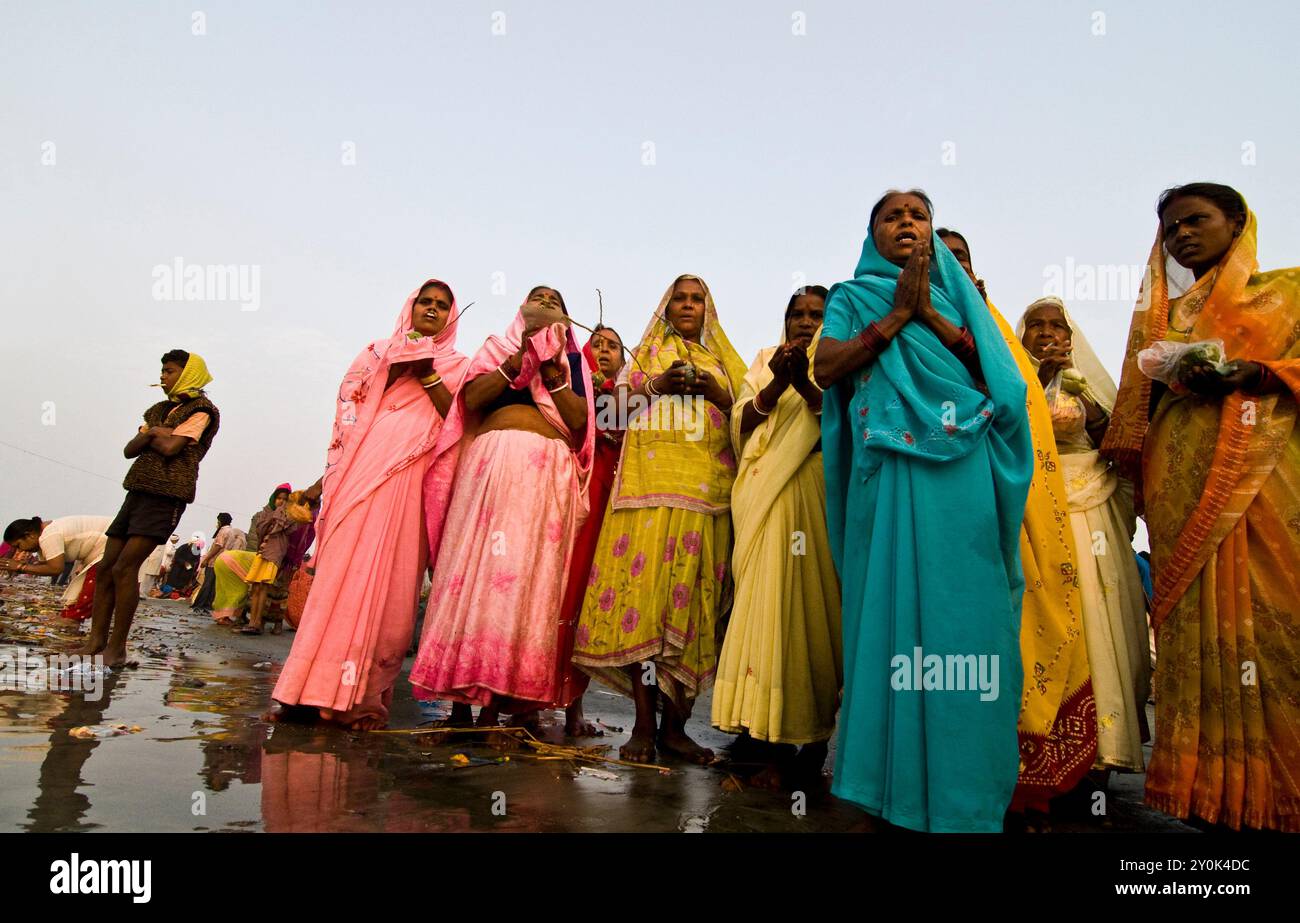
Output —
(1167, 361)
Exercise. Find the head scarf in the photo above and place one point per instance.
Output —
(196, 541)
(661, 345)
(1240, 309)
(192, 379)
(362, 391)
(1101, 386)
(691, 473)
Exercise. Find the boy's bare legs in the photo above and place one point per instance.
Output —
(124, 576)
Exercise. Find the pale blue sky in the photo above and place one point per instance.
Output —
(522, 154)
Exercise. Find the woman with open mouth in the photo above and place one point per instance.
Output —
(928, 462)
(780, 671)
(371, 551)
(1217, 462)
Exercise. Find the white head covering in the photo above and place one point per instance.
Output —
(1100, 383)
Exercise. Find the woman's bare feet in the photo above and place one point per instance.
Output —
(368, 723)
(576, 725)
(675, 741)
(640, 748)
(298, 714)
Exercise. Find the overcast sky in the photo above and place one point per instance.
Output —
(340, 153)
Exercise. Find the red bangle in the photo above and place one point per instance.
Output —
(873, 339)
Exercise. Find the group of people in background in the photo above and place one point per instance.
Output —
(908, 519)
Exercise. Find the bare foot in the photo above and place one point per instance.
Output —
(116, 657)
(530, 721)
(367, 723)
(772, 777)
(93, 645)
(575, 725)
(677, 743)
(640, 748)
(300, 714)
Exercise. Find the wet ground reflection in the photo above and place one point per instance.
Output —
(202, 758)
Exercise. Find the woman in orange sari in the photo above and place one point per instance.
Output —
(1217, 458)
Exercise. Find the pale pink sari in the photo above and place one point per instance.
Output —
(512, 503)
(371, 552)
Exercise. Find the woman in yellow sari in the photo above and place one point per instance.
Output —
(1081, 396)
(781, 668)
(1058, 715)
(659, 586)
(1218, 458)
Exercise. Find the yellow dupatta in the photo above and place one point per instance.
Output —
(677, 452)
(781, 442)
(1058, 716)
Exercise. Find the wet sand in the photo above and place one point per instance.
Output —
(202, 758)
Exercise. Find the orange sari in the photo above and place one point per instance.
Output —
(1221, 485)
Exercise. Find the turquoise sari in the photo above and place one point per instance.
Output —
(926, 482)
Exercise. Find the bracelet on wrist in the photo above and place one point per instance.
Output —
(758, 408)
(650, 388)
(558, 388)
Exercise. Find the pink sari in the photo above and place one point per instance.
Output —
(371, 555)
(494, 620)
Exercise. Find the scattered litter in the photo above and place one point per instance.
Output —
(100, 731)
(599, 774)
(264, 665)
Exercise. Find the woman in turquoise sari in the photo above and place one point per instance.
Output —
(928, 461)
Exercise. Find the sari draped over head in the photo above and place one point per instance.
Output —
(1221, 487)
(781, 666)
(659, 583)
(665, 462)
(359, 399)
(1058, 714)
(357, 623)
(552, 342)
(1100, 506)
(926, 481)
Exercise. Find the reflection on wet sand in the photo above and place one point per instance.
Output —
(60, 804)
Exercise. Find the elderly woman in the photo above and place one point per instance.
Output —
(780, 671)
(928, 463)
(1217, 459)
(518, 445)
(371, 552)
(659, 584)
(1080, 396)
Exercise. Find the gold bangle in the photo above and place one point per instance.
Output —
(430, 382)
(757, 409)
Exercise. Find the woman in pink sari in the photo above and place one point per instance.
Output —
(371, 553)
(519, 443)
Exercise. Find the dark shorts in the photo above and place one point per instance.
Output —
(148, 515)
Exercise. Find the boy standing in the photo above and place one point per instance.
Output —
(176, 434)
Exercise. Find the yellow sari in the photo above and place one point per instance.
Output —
(1221, 486)
(781, 667)
(1058, 716)
(659, 584)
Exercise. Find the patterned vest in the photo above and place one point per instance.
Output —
(177, 476)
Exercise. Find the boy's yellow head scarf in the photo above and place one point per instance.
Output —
(193, 378)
